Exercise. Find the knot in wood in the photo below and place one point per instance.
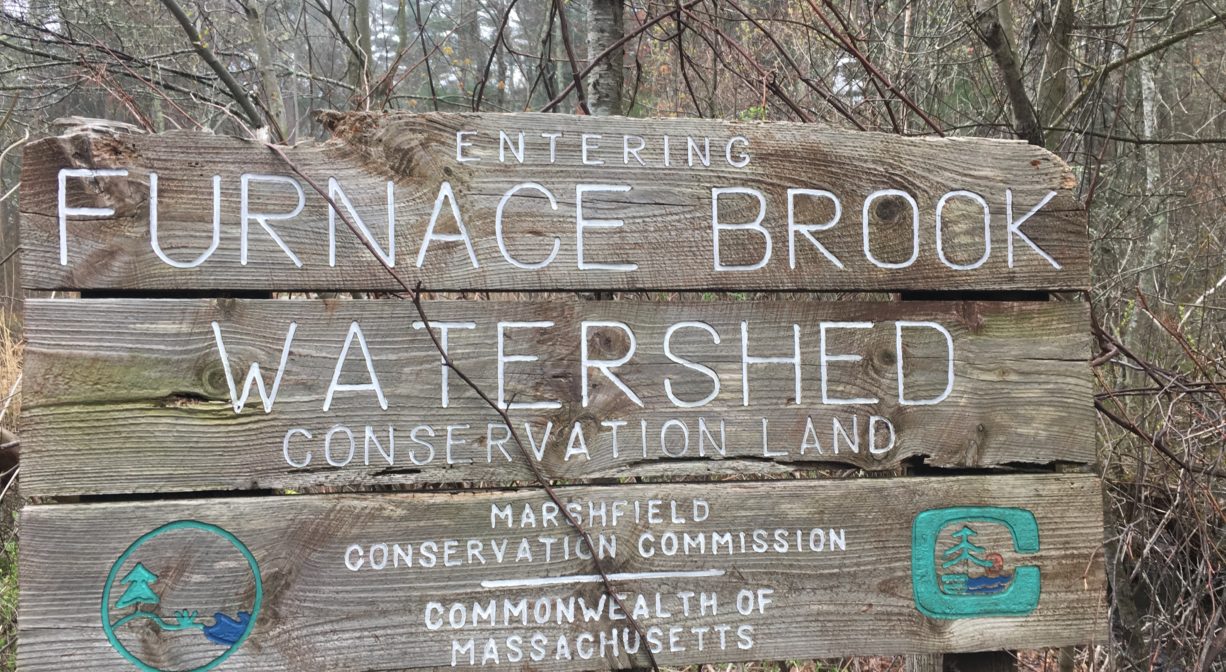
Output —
(890, 209)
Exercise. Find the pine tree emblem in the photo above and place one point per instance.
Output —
(965, 550)
(138, 582)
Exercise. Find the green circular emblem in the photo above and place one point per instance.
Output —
(140, 603)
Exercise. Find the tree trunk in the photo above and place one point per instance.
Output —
(1053, 83)
(402, 26)
(994, 23)
(403, 44)
(1156, 238)
(263, 66)
(361, 66)
(604, 83)
(1124, 596)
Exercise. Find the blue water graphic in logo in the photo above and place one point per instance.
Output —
(141, 600)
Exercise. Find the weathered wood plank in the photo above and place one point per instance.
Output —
(325, 606)
(132, 395)
(665, 210)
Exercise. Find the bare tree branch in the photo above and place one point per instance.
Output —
(235, 89)
(1107, 69)
(993, 23)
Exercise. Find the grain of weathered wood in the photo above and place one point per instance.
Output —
(318, 614)
(131, 395)
(667, 211)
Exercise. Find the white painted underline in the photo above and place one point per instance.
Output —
(596, 578)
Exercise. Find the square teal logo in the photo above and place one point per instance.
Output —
(954, 576)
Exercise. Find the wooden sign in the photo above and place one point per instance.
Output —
(546, 201)
(146, 407)
(353, 392)
(710, 572)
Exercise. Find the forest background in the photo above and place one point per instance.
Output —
(1131, 93)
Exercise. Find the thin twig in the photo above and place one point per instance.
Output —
(1132, 428)
(9, 399)
(828, 96)
(681, 60)
(9, 484)
(425, 54)
(872, 69)
(768, 78)
(489, 62)
(1177, 333)
(1102, 72)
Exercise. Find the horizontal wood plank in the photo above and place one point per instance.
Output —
(350, 582)
(130, 395)
(865, 217)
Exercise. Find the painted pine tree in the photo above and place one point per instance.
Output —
(965, 550)
(139, 590)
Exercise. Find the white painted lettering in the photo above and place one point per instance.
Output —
(582, 224)
(445, 193)
(263, 218)
(756, 226)
(355, 330)
(693, 366)
(500, 236)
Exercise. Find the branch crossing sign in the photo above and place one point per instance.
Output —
(265, 476)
